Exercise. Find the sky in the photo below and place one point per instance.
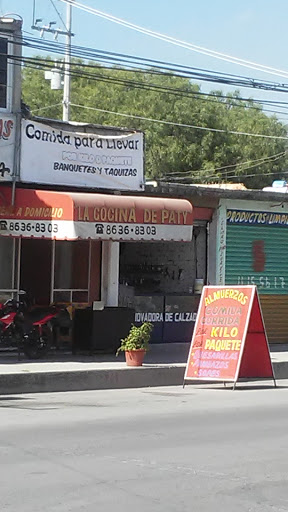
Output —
(253, 30)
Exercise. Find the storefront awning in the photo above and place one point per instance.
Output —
(72, 216)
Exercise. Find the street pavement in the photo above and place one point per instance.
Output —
(200, 449)
(164, 366)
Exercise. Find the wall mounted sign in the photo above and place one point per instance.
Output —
(54, 156)
(229, 340)
(7, 146)
(257, 218)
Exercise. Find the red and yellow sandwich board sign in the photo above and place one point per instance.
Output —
(229, 340)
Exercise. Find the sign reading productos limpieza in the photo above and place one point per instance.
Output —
(59, 157)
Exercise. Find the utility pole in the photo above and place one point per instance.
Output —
(67, 65)
(67, 61)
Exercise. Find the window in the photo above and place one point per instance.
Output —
(71, 276)
(3, 71)
(9, 250)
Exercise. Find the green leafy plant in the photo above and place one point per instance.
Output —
(138, 338)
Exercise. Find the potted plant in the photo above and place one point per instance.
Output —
(136, 344)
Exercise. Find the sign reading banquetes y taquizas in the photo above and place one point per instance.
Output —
(60, 157)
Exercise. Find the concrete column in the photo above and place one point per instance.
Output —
(110, 273)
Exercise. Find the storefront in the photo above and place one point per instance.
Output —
(63, 247)
(163, 281)
(252, 250)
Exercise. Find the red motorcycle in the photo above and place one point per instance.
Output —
(11, 335)
(27, 328)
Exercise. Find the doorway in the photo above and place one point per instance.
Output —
(35, 269)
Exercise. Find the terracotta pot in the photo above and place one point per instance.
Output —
(135, 357)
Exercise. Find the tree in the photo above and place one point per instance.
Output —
(173, 152)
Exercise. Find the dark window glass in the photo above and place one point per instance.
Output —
(72, 265)
(3, 72)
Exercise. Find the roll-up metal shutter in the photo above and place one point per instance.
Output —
(275, 313)
(259, 255)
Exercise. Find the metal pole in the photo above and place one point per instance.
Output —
(67, 77)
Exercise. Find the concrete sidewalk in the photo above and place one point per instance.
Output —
(164, 366)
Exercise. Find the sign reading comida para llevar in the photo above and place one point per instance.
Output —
(229, 340)
(59, 157)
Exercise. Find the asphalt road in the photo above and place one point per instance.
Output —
(158, 449)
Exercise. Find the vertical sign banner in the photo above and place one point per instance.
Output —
(229, 340)
(7, 146)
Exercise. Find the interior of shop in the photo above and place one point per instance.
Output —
(162, 281)
(51, 272)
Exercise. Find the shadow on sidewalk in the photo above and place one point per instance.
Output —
(161, 353)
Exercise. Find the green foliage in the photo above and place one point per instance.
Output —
(138, 338)
(173, 153)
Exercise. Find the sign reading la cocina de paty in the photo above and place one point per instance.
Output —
(229, 340)
(62, 215)
(60, 157)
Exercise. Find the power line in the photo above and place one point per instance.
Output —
(153, 72)
(178, 42)
(173, 123)
(219, 178)
(183, 125)
(59, 14)
(128, 60)
(46, 108)
(272, 158)
(233, 101)
(46, 63)
(216, 169)
(239, 176)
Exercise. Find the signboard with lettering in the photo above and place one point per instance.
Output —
(54, 156)
(180, 317)
(72, 216)
(173, 317)
(229, 340)
(259, 218)
(150, 309)
(7, 146)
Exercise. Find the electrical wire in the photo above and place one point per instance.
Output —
(45, 108)
(182, 125)
(216, 169)
(150, 86)
(145, 86)
(272, 158)
(195, 73)
(152, 72)
(59, 14)
(178, 42)
(253, 84)
(233, 101)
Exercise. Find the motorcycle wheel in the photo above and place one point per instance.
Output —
(35, 345)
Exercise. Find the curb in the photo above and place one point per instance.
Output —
(40, 382)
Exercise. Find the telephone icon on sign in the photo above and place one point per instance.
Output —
(99, 229)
